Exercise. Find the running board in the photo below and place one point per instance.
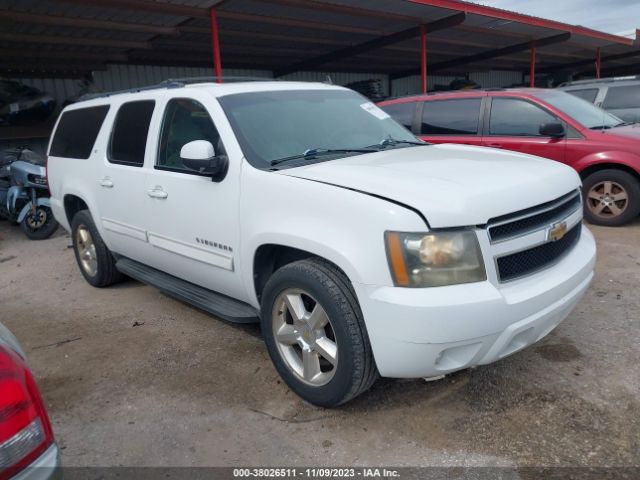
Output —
(215, 303)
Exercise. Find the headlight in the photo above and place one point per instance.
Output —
(434, 259)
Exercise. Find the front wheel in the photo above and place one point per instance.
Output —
(39, 224)
(315, 333)
(611, 198)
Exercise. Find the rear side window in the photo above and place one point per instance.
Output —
(77, 132)
(588, 94)
(622, 97)
(401, 113)
(513, 117)
(130, 130)
(451, 117)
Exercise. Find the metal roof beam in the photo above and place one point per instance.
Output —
(76, 22)
(342, 9)
(60, 40)
(147, 6)
(374, 44)
(488, 55)
(63, 55)
(608, 58)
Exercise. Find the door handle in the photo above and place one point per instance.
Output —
(157, 192)
(106, 182)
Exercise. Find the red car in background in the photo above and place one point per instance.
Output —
(547, 123)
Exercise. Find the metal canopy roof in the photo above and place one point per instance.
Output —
(70, 37)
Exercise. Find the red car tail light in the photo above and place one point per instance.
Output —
(25, 430)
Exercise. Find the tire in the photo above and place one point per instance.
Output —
(308, 284)
(94, 258)
(600, 190)
(41, 225)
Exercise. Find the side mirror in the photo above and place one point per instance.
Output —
(552, 129)
(200, 156)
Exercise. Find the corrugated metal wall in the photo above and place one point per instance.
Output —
(119, 77)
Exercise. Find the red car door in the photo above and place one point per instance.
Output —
(452, 120)
(514, 124)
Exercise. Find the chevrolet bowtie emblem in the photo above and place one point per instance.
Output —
(557, 231)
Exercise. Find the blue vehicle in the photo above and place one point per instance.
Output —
(24, 193)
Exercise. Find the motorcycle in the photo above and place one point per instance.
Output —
(24, 193)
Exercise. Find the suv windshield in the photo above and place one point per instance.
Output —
(306, 125)
(580, 110)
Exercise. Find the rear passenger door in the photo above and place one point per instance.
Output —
(452, 121)
(121, 179)
(191, 221)
(514, 124)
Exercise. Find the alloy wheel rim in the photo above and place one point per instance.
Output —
(86, 251)
(305, 337)
(607, 199)
(37, 219)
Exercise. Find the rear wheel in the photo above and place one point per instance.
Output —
(315, 333)
(611, 198)
(39, 224)
(94, 258)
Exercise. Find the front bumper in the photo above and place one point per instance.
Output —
(431, 331)
(46, 467)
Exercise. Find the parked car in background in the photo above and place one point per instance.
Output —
(619, 96)
(548, 123)
(362, 250)
(27, 447)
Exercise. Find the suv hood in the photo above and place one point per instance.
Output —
(451, 185)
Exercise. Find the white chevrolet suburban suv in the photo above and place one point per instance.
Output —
(361, 250)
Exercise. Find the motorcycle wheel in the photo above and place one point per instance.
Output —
(39, 225)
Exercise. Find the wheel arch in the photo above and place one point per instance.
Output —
(269, 257)
(72, 205)
(597, 167)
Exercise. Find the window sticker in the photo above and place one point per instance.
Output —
(375, 111)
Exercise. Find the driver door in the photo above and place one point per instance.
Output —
(192, 222)
(514, 124)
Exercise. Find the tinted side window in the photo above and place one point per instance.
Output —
(588, 94)
(401, 113)
(622, 97)
(451, 117)
(517, 118)
(185, 120)
(77, 132)
(130, 130)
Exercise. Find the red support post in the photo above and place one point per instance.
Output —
(423, 58)
(598, 63)
(215, 45)
(532, 68)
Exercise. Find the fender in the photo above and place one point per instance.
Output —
(628, 159)
(44, 201)
(13, 195)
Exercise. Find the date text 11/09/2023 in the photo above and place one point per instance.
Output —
(315, 473)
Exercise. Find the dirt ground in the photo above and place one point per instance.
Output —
(132, 377)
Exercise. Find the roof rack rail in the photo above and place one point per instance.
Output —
(599, 80)
(175, 83)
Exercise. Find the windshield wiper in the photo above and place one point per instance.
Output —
(316, 152)
(392, 142)
(602, 127)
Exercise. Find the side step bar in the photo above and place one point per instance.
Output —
(217, 304)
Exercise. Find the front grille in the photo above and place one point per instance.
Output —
(526, 262)
(534, 218)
